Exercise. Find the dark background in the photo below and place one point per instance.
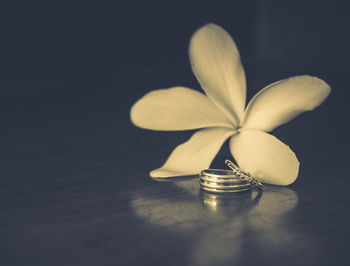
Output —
(70, 158)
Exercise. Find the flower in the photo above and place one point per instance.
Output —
(221, 113)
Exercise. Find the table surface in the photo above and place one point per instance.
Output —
(74, 193)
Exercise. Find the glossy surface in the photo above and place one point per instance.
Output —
(76, 201)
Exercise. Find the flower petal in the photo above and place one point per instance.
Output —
(177, 108)
(265, 157)
(216, 63)
(194, 155)
(281, 101)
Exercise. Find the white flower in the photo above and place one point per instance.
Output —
(222, 114)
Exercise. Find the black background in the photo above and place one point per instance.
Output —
(71, 59)
(71, 70)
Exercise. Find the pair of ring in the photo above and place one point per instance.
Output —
(227, 181)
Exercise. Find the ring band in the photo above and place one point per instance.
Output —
(243, 175)
(222, 181)
(219, 173)
(215, 190)
(223, 185)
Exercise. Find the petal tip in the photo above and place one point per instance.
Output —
(156, 174)
(323, 84)
(208, 25)
(153, 173)
(209, 28)
(292, 178)
(132, 114)
(161, 173)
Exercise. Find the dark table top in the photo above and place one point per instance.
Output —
(73, 193)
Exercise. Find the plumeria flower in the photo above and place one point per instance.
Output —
(221, 113)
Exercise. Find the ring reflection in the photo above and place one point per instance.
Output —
(230, 203)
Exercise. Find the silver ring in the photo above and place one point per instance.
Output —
(222, 181)
(216, 190)
(245, 176)
(223, 185)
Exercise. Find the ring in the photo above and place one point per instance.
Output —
(243, 175)
(223, 185)
(222, 181)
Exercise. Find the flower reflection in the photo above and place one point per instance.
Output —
(219, 245)
(226, 226)
(184, 212)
